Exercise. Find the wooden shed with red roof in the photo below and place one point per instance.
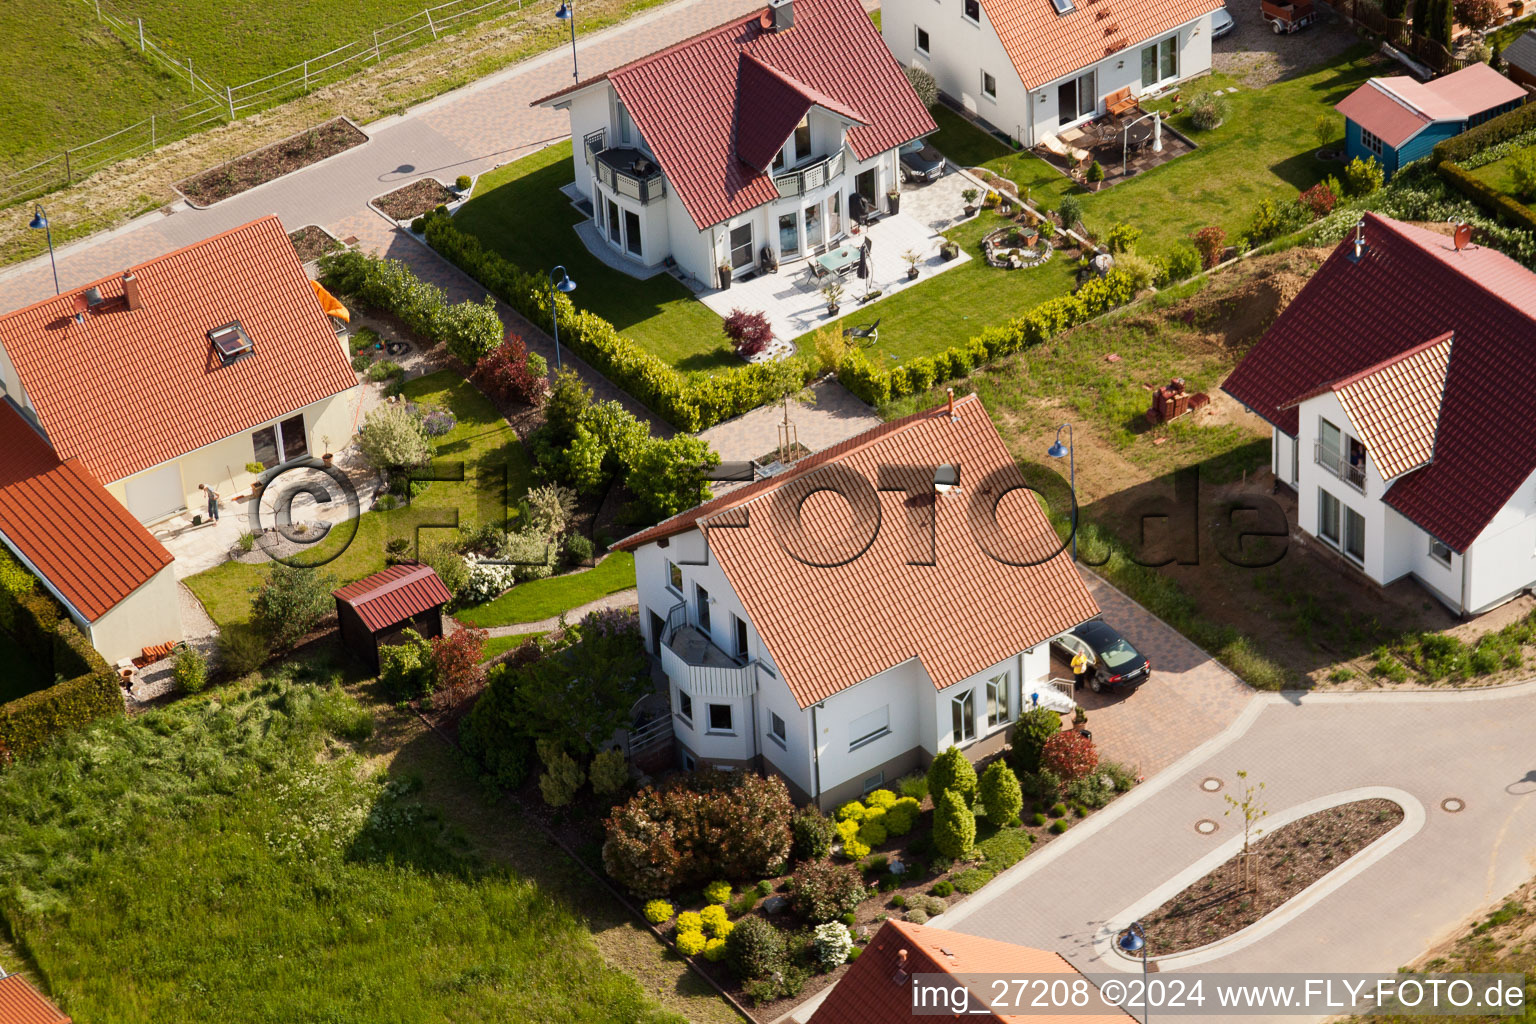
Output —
(378, 609)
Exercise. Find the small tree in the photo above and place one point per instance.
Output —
(609, 772)
(456, 661)
(1522, 169)
(550, 508)
(190, 671)
(1095, 174)
(1000, 794)
(1252, 808)
(561, 777)
(290, 601)
(954, 826)
(1324, 130)
(668, 475)
(922, 83)
(569, 399)
(1070, 755)
(1070, 211)
(951, 770)
(1362, 177)
(1477, 14)
(750, 333)
(1209, 242)
(393, 438)
(472, 330)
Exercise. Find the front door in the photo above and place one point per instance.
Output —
(741, 246)
(1066, 101)
(658, 626)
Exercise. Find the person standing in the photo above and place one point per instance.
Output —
(1079, 668)
(213, 501)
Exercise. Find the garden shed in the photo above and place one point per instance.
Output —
(379, 608)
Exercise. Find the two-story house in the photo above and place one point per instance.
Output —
(1033, 68)
(743, 145)
(1398, 383)
(844, 621)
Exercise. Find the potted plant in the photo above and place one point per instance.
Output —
(969, 195)
(1079, 716)
(949, 251)
(913, 258)
(325, 442)
(832, 291)
(893, 197)
(1096, 175)
(257, 469)
(725, 275)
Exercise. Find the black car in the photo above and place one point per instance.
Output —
(916, 165)
(1113, 661)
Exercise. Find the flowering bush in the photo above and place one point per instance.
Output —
(486, 580)
(1318, 200)
(657, 911)
(1070, 755)
(1210, 241)
(691, 943)
(825, 891)
(717, 892)
(833, 942)
(750, 333)
(437, 421)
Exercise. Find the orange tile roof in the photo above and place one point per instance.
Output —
(20, 1003)
(874, 991)
(1044, 45)
(130, 389)
(828, 628)
(64, 522)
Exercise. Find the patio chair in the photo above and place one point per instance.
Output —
(1076, 159)
(864, 334)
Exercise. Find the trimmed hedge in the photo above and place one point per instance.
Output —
(1494, 130)
(689, 402)
(1485, 195)
(1044, 321)
(35, 620)
(89, 690)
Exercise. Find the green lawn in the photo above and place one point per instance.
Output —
(545, 599)
(501, 644)
(482, 441)
(22, 675)
(255, 857)
(1498, 173)
(519, 211)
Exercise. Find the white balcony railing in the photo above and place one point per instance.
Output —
(1334, 462)
(810, 177)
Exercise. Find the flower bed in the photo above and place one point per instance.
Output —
(415, 200)
(311, 242)
(276, 160)
(1009, 248)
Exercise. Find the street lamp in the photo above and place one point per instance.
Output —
(1056, 451)
(565, 285)
(567, 14)
(1131, 942)
(40, 223)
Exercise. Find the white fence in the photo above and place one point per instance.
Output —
(217, 102)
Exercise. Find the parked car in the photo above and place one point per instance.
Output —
(1221, 22)
(1113, 661)
(917, 166)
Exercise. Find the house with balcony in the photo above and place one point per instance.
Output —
(841, 623)
(751, 144)
(1037, 68)
(1398, 384)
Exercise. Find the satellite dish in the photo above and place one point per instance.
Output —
(766, 20)
(1463, 236)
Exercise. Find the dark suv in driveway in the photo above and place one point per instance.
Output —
(916, 165)
(1113, 661)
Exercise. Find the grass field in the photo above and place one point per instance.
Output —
(255, 856)
(545, 599)
(483, 441)
(1498, 174)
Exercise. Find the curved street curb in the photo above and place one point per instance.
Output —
(1413, 821)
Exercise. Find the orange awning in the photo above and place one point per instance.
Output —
(329, 304)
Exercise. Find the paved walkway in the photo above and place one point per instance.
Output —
(832, 415)
(619, 599)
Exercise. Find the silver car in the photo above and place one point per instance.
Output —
(1221, 22)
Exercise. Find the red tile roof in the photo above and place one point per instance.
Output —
(1044, 45)
(20, 1003)
(828, 628)
(60, 518)
(1397, 108)
(129, 389)
(390, 597)
(1408, 284)
(773, 104)
(878, 988)
(688, 100)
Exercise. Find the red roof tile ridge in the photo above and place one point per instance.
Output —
(654, 55)
(1432, 244)
(745, 495)
(1359, 375)
(392, 581)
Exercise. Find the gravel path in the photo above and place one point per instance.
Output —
(621, 599)
(1253, 53)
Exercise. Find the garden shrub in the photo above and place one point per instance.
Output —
(1122, 237)
(1491, 199)
(609, 772)
(1005, 849)
(1209, 242)
(492, 734)
(1318, 201)
(1000, 794)
(1037, 819)
(1042, 787)
(15, 581)
(472, 330)
(1138, 269)
(1477, 14)
(914, 786)
(824, 891)
(393, 438)
(562, 776)
(241, 650)
(1272, 219)
(1089, 791)
(690, 943)
(1070, 210)
(854, 848)
(690, 921)
(901, 817)
(872, 831)
(485, 579)
(508, 373)
(1059, 826)
(853, 810)
(456, 661)
(1362, 177)
(1207, 110)
(922, 83)
(669, 475)
(657, 911)
(531, 555)
(1070, 755)
(714, 950)
(972, 879)
(944, 888)
(814, 833)
(954, 826)
(716, 923)
(917, 915)
(405, 670)
(717, 892)
(750, 333)
(190, 671)
(882, 798)
(832, 942)
(1183, 262)
(952, 771)
(1028, 737)
(579, 548)
(290, 602)
(754, 949)
(448, 564)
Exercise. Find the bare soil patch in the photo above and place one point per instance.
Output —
(274, 161)
(311, 242)
(1281, 864)
(414, 200)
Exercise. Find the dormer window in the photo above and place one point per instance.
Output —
(231, 342)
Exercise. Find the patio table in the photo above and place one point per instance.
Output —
(839, 260)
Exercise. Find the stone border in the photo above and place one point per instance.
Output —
(453, 207)
(1413, 821)
(192, 204)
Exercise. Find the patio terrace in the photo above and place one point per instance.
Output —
(1123, 149)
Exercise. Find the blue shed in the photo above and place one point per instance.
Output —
(1400, 119)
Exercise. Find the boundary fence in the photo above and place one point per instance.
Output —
(1399, 34)
(222, 103)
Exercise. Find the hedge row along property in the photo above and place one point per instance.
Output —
(1453, 160)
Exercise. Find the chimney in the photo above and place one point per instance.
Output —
(1360, 246)
(783, 12)
(901, 975)
(952, 417)
(131, 293)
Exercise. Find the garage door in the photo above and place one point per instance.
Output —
(156, 494)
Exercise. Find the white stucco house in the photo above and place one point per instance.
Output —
(1399, 383)
(1033, 68)
(119, 398)
(745, 144)
(847, 645)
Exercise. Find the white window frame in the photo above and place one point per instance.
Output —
(985, 77)
(710, 729)
(1372, 142)
(1444, 559)
(965, 17)
(868, 728)
(965, 706)
(1323, 498)
(778, 731)
(918, 35)
(673, 569)
(997, 701)
(685, 706)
